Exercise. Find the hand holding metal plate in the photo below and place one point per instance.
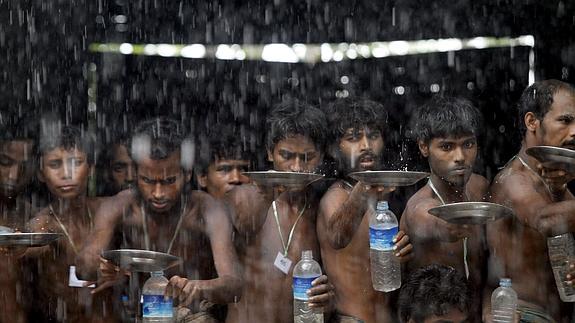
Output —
(471, 212)
(141, 260)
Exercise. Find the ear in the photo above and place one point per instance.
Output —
(423, 148)
(532, 123)
(270, 155)
(202, 180)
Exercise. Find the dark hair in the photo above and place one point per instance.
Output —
(445, 116)
(55, 135)
(354, 113)
(16, 127)
(433, 290)
(158, 139)
(538, 98)
(223, 142)
(293, 117)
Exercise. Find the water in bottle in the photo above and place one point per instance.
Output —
(504, 302)
(155, 308)
(561, 250)
(304, 272)
(385, 267)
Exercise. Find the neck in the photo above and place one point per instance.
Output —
(449, 192)
(532, 162)
(164, 218)
(69, 210)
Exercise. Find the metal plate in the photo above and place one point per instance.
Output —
(389, 177)
(289, 179)
(471, 212)
(554, 157)
(28, 239)
(141, 260)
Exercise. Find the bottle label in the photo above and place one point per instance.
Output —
(300, 287)
(382, 239)
(157, 306)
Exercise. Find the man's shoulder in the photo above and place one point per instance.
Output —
(420, 202)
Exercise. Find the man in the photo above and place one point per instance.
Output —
(65, 162)
(166, 217)
(435, 294)
(446, 130)
(542, 204)
(271, 239)
(356, 144)
(121, 170)
(222, 160)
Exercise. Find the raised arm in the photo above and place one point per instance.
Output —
(249, 205)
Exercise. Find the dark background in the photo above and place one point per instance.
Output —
(45, 62)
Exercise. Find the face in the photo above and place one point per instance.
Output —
(557, 128)
(16, 167)
(123, 169)
(65, 172)
(295, 154)
(453, 316)
(160, 182)
(360, 149)
(223, 175)
(451, 159)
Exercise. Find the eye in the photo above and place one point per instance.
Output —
(469, 144)
(54, 164)
(147, 180)
(374, 135)
(224, 169)
(5, 161)
(169, 180)
(445, 146)
(286, 154)
(119, 168)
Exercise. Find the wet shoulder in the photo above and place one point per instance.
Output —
(479, 186)
(420, 203)
(42, 222)
(511, 185)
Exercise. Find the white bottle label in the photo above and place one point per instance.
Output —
(382, 239)
(300, 286)
(157, 306)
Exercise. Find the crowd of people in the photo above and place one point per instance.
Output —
(239, 241)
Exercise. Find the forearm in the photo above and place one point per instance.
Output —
(555, 219)
(344, 222)
(221, 290)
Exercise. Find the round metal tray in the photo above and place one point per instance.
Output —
(28, 239)
(554, 157)
(389, 178)
(471, 212)
(288, 179)
(141, 260)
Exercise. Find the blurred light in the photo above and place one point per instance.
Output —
(300, 50)
(450, 44)
(380, 50)
(351, 53)
(344, 80)
(338, 56)
(399, 47)
(225, 52)
(399, 90)
(470, 86)
(167, 50)
(364, 51)
(126, 49)
(150, 49)
(193, 51)
(279, 53)
(240, 55)
(120, 19)
(527, 40)
(326, 52)
(434, 88)
(478, 42)
(531, 67)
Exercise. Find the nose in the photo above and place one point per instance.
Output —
(365, 143)
(297, 165)
(68, 170)
(458, 155)
(130, 174)
(235, 177)
(13, 173)
(158, 192)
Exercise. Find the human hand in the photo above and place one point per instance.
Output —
(321, 295)
(403, 248)
(108, 275)
(555, 177)
(184, 290)
(377, 190)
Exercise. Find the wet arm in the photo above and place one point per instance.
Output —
(248, 208)
(422, 226)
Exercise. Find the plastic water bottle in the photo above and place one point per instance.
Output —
(154, 307)
(561, 250)
(385, 267)
(304, 272)
(504, 302)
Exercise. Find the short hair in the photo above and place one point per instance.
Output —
(291, 118)
(346, 113)
(158, 139)
(434, 290)
(538, 98)
(223, 142)
(18, 128)
(445, 116)
(53, 134)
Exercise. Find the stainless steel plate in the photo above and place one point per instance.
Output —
(554, 157)
(141, 260)
(28, 239)
(289, 179)
(389, 177)
(471, 212)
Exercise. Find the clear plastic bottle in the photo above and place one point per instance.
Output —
(385, 267)
(154, 307)
(504, 302)
(304, 272)
(561, 250)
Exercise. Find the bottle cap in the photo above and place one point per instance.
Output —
(307, 254)
(382, 205)
(157, 273)
(505, 282)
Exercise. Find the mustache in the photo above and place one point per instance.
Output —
(367, 154)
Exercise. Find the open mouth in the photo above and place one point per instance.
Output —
(158, 205)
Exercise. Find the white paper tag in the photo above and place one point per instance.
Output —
(73, 280)
(282, 263)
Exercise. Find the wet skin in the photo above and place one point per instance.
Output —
(434, 240)
(267, 295)
(518, 245)
(123, 169)
(343, 230)
(223, 175)
(16, 167)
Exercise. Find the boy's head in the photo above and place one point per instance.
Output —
(296, 136)
(435, 293)
(356, 133)
(163, 158)
(446, 130)
(120, 168)
(222, 159)
(66, 159)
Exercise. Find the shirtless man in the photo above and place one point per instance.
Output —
(542, 204)
(446, 131)
(120, 172)
(65, 162)
(357, 144)
(295, 140)
(165, 216)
